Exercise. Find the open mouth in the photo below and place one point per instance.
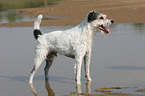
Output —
(104, 29)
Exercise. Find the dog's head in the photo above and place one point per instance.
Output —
(99, 21)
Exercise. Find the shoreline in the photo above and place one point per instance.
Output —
(73, 12)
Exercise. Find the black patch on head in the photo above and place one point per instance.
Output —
(37, 33)
(101, 17)
(93, 16)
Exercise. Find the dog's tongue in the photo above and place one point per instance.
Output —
(104, 29)
(107, 30)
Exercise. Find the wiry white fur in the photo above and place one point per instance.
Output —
(66, 42)
(75, 43)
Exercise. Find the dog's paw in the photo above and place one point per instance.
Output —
(88, 78)
(78, 82)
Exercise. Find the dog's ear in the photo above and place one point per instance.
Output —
(92, 16)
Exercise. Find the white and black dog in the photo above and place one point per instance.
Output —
(75, 43)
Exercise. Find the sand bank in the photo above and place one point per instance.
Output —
(72, 12)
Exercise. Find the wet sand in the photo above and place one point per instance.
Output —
(72, 12)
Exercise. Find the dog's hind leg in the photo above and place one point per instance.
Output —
(38, 59)
(40, 55)
(49, 61)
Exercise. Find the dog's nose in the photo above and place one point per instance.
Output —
(112, 21)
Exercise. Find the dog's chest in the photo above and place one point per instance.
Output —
(82, 42)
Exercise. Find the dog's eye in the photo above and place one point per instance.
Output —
(101, 17)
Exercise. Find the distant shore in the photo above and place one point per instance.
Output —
(72, 12)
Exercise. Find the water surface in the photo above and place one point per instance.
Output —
(117, 59)
(8, 15)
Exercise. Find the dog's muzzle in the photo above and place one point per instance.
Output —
(104, 29)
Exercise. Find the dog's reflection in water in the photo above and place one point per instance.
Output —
(51, 92)
(47, 86)
(33, 90)
(79, 89)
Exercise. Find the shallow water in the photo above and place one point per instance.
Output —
(11, 16)
(117, 59)
(8, 15)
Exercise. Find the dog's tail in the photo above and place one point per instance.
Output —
(37, 23)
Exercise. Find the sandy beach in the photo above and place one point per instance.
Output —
(72, 12)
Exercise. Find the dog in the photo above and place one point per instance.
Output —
(75, 43)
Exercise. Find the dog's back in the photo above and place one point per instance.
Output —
(63, 42)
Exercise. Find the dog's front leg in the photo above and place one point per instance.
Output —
(78, 62)
(87, 58)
